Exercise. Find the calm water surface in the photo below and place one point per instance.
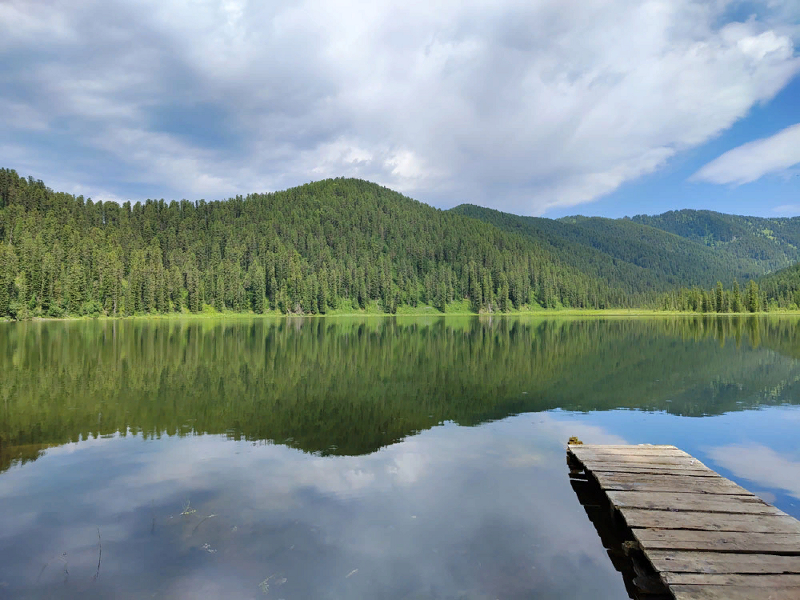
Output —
(350, 458)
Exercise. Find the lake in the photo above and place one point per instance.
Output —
(396, 458)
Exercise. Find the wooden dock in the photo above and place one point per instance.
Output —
(706, 537)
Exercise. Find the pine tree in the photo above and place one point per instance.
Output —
(5, 279)
(753, 300)
(193, 289)
(74, 288)
(322, 294)
(737, 298)
(705, 303)
(502, 293)
(219, 293)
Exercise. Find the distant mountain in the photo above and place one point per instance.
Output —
(772, 243)
(641, 258)
(341, 245)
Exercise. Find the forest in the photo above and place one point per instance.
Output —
(348, 245)
(675, 261)
(340, 244)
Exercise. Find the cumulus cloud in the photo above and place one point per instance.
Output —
(787, 209)
(518, 105)
(753, 160)
(760, 464)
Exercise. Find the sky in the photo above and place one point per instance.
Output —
(537, 107)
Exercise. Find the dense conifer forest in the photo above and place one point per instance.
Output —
(347, 245)
(637, 258)
(680, 249)
(772, 243)
(685, 255)
(340, 244)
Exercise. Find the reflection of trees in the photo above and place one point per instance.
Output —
(350, 386)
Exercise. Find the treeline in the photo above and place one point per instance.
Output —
(721, 300)
(338, 244)
(777, 291)
(783, 287)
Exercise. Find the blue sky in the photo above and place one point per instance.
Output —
(542, 107)
(775, 194)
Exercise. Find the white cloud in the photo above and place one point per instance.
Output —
(787, 209)
(760, 464)
(753, 160)
(520, 105)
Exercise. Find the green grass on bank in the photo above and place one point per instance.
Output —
(461, 308)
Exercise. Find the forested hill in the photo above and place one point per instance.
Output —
(332, 245)
(774, 243)
(783, 287)
(635, 257)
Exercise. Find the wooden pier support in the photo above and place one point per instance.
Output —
(706, 537)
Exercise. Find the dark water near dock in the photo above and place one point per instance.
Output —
(414, 458)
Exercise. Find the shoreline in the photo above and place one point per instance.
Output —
(415, 312)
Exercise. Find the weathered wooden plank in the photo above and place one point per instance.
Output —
(628, 450)
(751, 581)
(655, 470)
(719, 541)
(630, 456)
(667, 483)
(682, 462)
(624, 446)
(726, 592)
(621, 451)
(643, 462)
(691, 502)
(702, 521)
(593, 465)
(721, 562)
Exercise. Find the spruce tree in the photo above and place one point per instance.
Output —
(737, 298)
(753, 300)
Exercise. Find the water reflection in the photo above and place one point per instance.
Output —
(350, 386)
(762, 465)
(380, 458)
(450, 513)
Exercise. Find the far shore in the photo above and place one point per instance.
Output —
(419, 311)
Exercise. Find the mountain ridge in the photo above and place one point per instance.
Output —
(640, 256)
(305, 250)
(352, 243)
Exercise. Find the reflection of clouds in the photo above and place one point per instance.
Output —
(199, 586)
(407, 467)
(790, 415)
(524, 461)
(22, 522)
(760, 464)
(486, 508)
(564, 426)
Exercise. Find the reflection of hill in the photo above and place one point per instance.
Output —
(350, 386)
(788, 343)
